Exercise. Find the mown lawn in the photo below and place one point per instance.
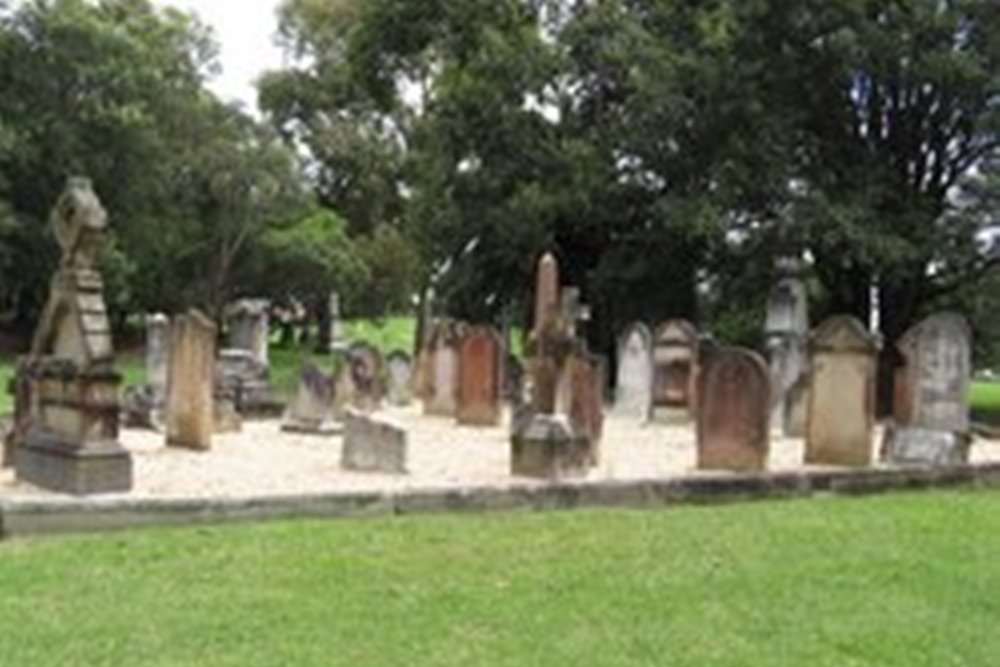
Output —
(908, 580)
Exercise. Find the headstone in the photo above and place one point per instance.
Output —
(841, 403)
(586, 404)
(548, 448)
(546, 292)
(733, 411)
(932, 419)
(443, 367)
(157, 352)
(634, 388)
(191, 383)
(675, 369)
(373, 444)
(312, 410)
(345, 391)
(66, 436)
(480, 370)
(367, 368)
(399, 372)
(249, 329)
(243, 383)
(786, 334)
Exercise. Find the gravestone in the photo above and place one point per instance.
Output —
(634, 386)
(443, 370)
(312, 409)
(546, 447)
(373, 444)
(586, 405)
(932, 424)
(191, 382)
(733, 411)
(336, 334)
(143, 406)
(399, 376)
(841, 399)
(546, 293)
(66, 433)
(675, 368)
(480, 370)
(345, 391)
(367, 368)
(786, 334)
(249, 329)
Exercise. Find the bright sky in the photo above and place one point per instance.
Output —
(245, 31)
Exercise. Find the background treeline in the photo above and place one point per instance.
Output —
(668, 151)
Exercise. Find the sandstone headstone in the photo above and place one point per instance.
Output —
(634, 388)
(345, 391)
(841, 403)
(443, 367)
(548, 448)
(367, 369)
(191, 383)
(373, 444)
(786, 334)
(399, 371)
(480, 369)
(733, 411)
(312, 409)
(675, 368)
(66, 435)
(586, 405)
(547, 292)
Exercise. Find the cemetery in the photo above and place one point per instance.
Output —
(520, 332)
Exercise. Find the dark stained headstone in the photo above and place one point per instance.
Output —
(733, 412)
(367, 366)
(841, 401)
(312, 409)
(480, 368)
(675, 368)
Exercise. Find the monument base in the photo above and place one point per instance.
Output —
(311, 427)
(922, 446)
(548, 449)
(56, 465)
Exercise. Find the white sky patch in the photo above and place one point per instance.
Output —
(245, 31)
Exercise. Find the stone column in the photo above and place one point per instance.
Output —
(191, 380)
(157, 353)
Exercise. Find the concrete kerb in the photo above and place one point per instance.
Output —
(84, 515)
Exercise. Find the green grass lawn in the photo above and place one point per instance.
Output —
(909, 580)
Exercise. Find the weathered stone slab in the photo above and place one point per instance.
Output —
(587, 373)
(841, 404)
(675, 369)
(909, 445)
(367, 369)
(443, 367)
(480, 370)
(549, 449)
(786, 333)
(634, 386)
(249, 330)
(190, 387)
(312, 409)
(373, 444)
(399, 378)
(547, 292)
(733, 417)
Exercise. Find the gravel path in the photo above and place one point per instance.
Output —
(263, 461)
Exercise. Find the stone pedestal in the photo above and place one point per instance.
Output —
(549, 449)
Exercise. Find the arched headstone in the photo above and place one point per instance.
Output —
(675, 367)
(479, 378)
(634, 385)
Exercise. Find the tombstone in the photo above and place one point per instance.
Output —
(675, 368)
(243, 383)
(66, 435)
(841, 399)
(546, 447)
(142, 406)
(634, 385)
(546, 293)
(345, 391)
(311, 411)
(932, 420)
(733, 411)
(191, 382)
(249, 330)
(367, 367)
(443, 370)
(586, 405)
(399, 376)
(480, 370)
(786, 335)
(373, 444)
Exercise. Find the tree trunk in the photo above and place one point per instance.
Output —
(324, 320)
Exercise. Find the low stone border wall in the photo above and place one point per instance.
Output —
(70, 515)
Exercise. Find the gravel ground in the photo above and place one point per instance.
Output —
(264, 461)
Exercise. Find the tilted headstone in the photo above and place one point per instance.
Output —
(786, 333)
(399, 378)
(66, 434)
(841, 400)
(675, 368)
(634, 387)
(933, 421)
(191, 383)
(480, 371)
(312, 409)
(733, 411)
(373, 444)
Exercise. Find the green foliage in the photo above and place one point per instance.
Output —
(894, 581)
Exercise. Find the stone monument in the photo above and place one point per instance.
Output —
(675, 371)
(66, 435)
(312, 409)
(399, 378)
(634, 388)
(480, 369)
(191, 382)
(841, 400)
(786, 334)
